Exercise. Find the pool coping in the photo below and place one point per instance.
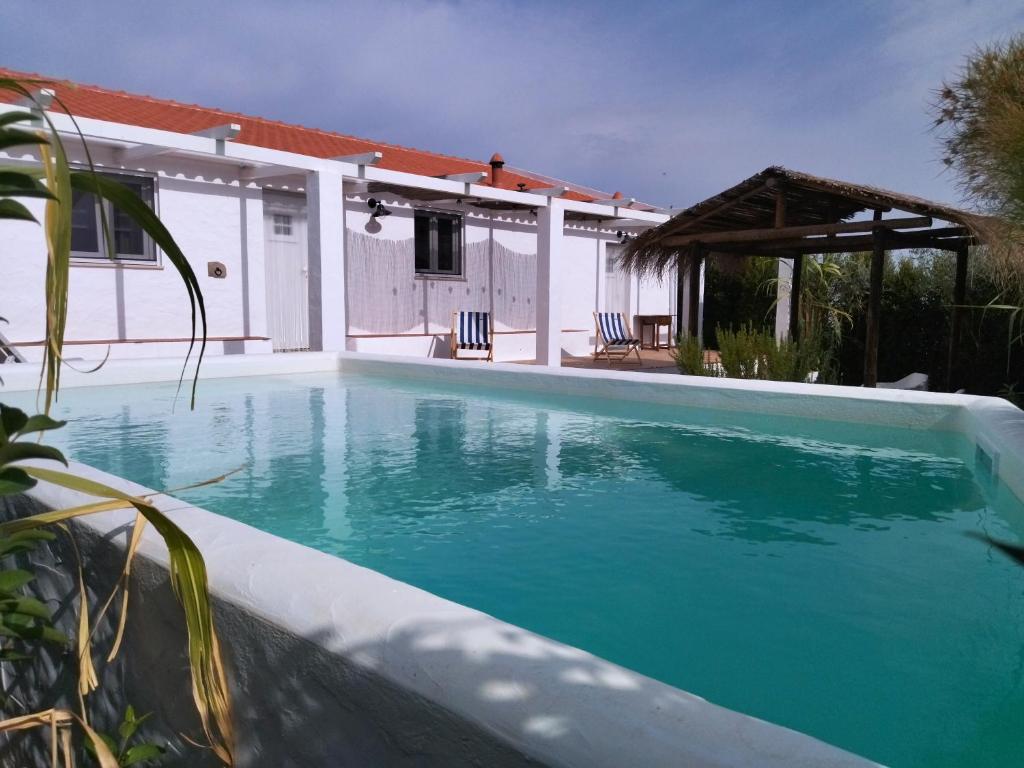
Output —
(593, 713)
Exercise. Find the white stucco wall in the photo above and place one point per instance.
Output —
(212, 219)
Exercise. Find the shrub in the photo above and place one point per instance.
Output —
(689, 357)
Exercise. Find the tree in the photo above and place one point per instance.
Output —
(980, 120)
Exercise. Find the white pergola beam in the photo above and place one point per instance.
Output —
(549, 191)
(363, 158)
(619, 202)
(226, 132)
(467, 178)
(620, 213)
(268, 172)
(42, 98)
(267, 163)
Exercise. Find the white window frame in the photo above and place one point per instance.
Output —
(151, 254)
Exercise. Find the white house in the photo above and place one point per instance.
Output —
(277, 222)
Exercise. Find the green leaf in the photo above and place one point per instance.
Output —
(1013, 551)
(15, 579)
(128, 203)
(14, 137)
(12, 209)
(18, 184)
(24, 540)
(12, 420)
(40, 423)
(16, 625)
(25, 606)
(130, 724)
(10, 118)
(23, 451)
(7, 654)
(140, 753)
(14, 480)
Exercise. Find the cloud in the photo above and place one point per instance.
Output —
(662, 102)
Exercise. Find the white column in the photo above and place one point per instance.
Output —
(254, 263)
(325, 205)
(602, 274)
(550, 222)
(785, 287)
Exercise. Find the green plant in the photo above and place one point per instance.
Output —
(688, 355)
(128, 748)
(54, 183)
(751, 354)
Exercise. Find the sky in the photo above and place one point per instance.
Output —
(667, 102)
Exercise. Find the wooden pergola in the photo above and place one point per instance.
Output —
(788, 214)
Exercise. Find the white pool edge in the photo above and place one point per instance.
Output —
(985, 421)
(356, 613)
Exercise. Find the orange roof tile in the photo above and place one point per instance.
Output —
(163, 114)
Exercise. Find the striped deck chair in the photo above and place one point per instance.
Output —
(614, 340)
(472, 331)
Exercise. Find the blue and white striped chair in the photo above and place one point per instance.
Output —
(614, 340)
(472, 331)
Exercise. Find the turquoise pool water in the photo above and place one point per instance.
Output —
(810, 573)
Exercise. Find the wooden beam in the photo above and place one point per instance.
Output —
(821, 245)
(781, 232)
(680, 329)
(874, 308)
(780, 210)
(718, 208)
(956, 320)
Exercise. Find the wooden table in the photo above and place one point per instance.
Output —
(654, 322)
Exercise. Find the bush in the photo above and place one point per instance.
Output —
(749, 354)
(688, 354)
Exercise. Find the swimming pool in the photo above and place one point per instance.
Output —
(810, 573)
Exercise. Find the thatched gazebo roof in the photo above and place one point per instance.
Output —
(736, 220)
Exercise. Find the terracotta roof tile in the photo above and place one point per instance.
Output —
(145, 111)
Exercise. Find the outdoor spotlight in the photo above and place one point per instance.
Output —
(377, 207)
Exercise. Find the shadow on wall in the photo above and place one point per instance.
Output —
(385, 297)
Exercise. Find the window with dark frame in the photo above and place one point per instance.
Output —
(438, 238)
(129, 242)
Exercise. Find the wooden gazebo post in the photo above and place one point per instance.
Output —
(956, 319)
(680, 320)
(878, 235)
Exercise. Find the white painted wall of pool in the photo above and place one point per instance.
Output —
(522, 706)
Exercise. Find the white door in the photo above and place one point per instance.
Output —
(287, 260)
(616, 283)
